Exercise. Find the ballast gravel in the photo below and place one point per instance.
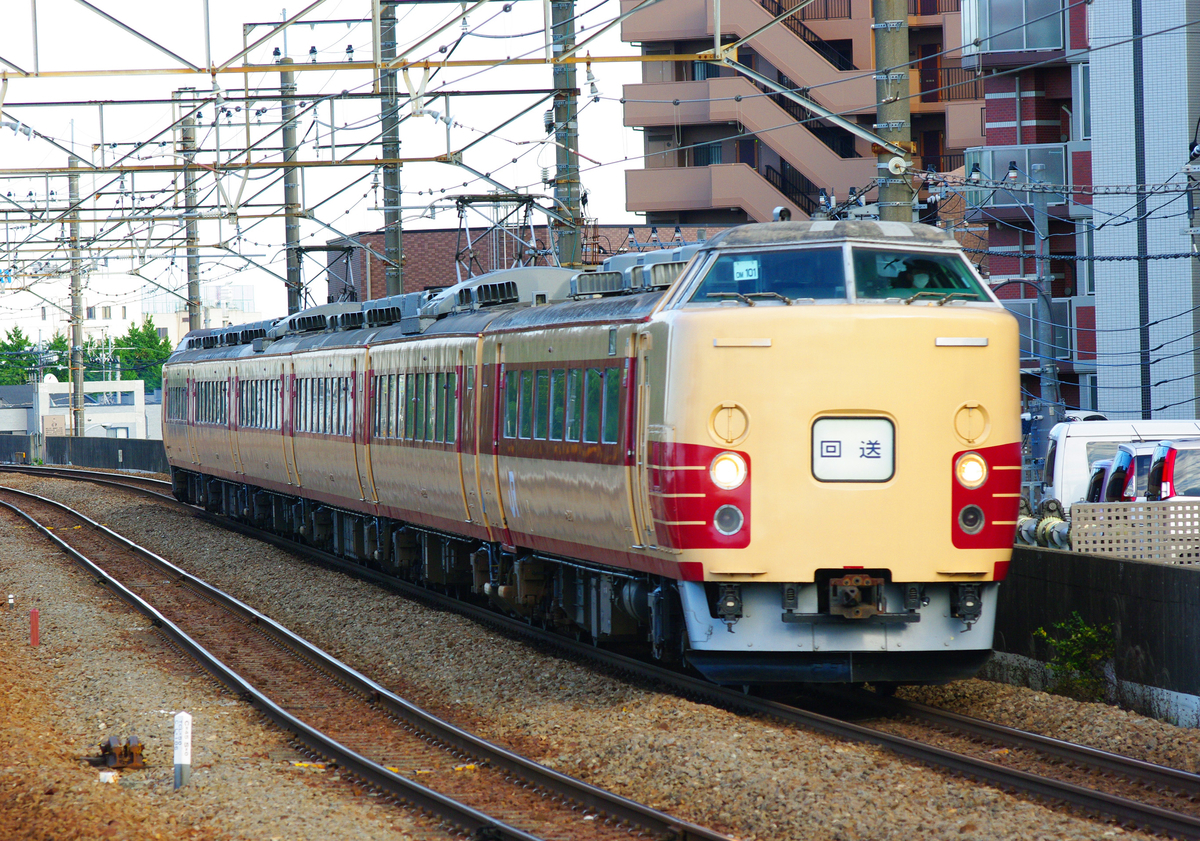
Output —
(100, 672)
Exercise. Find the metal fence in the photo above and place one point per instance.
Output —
(1160, 532)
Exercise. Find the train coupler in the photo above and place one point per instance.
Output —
(856, 596)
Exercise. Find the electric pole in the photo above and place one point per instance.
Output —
(389, 106)
(892, 111)
(187, 148)
(1048, 371)
(291, 186)
(566, 134)
(76, 302)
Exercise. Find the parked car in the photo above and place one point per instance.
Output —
(1097, 482)
(1074, 446)
(1174, 471)
(1126, 478)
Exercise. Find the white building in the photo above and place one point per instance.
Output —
(1144, 113)
(112, 409)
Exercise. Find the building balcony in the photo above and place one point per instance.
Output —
(736, 101)
(1012, 34)
(798, 56)
(721, 186)
(1066, 163)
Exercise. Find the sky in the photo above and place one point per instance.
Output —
(70, 37)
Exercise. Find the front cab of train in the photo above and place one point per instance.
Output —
(836, 459)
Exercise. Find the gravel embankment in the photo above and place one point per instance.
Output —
(750, 778)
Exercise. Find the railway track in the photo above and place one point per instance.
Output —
(1119, 789)
(479, 789)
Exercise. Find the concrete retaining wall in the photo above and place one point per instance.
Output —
(1152, 608)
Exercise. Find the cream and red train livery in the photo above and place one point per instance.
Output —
(793, 457)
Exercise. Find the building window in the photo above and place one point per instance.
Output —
(707, 154)
(162, 332)
(1011, 25)
(90, 313)
(43, 313)
(1083, 102)
(106, 312)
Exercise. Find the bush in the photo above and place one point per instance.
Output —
(1079, 655)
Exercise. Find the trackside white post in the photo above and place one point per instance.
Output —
(183, 749)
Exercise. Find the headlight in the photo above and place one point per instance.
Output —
(971, 470)
(728, 471)
(728, 520)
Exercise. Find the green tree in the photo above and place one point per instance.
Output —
(57, 358)
(142, 354)
(16, 358)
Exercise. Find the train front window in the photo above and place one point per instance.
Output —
(911, 276)
(777, 276)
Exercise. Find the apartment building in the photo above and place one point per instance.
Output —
(723, 150)
(1034, 59)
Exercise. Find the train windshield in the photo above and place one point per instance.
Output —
(782, 276)
(909, 276)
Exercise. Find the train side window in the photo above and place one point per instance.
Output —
(574, 403)
(468, 406)
(418, 407)
(343, 405)
(327, 405)
(399, 412)
(558, 418)
(511, 392)
(541, 417)
(439, 407)
(382, 406)
(391, 403)
(592, 404)
(612, 404)
(451, 401)
(410, 399)
(526, 424)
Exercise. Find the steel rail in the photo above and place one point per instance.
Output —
(590, 798)
(1185, 782)
(1121, 809)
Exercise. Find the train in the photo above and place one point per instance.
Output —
(788, 454)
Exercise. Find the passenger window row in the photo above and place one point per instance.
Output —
(416, 407)
(323, 405)
(563, 404)
(259, 403)
(177, 403)
(212, 402)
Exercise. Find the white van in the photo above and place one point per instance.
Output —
(1075, 446)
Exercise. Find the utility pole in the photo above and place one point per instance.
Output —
(187, 147)
(1048, 372)
(76, 302)
(291, 186)
(892, 111)
(389, 108)
(566, 134)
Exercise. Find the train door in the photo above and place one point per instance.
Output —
(190, 424)
(643, 514)
(490, 481)
(362, 401)
(465, 439)
(285, 417)
(292, 400)
(235, 421)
